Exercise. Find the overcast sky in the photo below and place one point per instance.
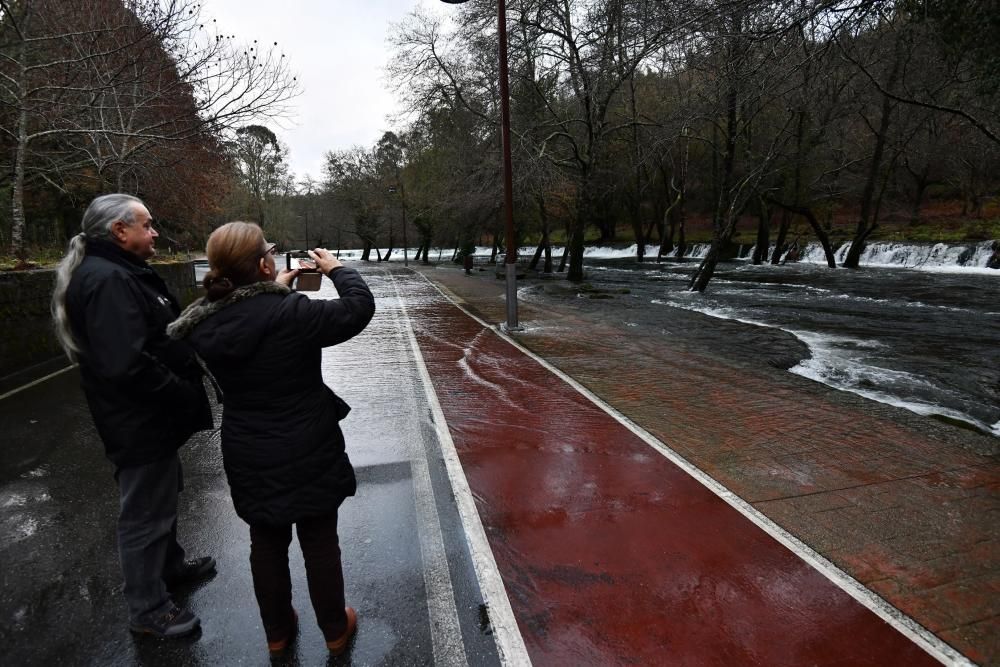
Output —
(339, 51)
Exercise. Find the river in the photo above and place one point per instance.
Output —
(917, 326)
(925, 338)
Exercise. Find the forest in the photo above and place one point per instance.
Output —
(655, 123)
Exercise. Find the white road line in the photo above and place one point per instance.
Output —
(917, 633)
(508, 638)
(446, 631)
(38, 381)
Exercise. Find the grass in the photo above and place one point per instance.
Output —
(46, 258)
(38, 258)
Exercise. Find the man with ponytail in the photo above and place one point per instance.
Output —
(145, 394)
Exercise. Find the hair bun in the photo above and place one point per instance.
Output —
(216, 286)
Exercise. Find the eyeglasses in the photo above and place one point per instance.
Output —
(269, 250)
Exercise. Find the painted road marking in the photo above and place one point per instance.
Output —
(38, 381)
(447, 644)
(508, 638)
(446, 633)
(902, 623)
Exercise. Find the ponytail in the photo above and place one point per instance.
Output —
(64, 272)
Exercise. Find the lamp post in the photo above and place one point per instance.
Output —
(510, 259)
(402, 201)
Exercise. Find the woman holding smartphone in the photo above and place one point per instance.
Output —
(283, 450)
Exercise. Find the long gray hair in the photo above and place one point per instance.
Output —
(103, 212)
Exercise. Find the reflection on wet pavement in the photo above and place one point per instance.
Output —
(611, 554)
(61, 601)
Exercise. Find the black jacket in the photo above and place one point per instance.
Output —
(282, 446)
(144, 389)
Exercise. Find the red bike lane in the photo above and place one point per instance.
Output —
(609, 552)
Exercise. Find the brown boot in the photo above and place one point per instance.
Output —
(339, 645)
(279, 646)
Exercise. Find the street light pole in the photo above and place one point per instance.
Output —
(510, 260)
(402, 201)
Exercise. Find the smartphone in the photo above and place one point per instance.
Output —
(309, 278)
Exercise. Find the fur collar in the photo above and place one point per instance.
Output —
(201, 310)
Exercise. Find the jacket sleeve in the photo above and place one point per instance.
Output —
(120, 338)
(328, 322)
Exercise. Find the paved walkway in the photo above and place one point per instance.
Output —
(901, 504)
(407, 567)
(501, 501)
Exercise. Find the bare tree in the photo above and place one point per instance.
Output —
(100, 86)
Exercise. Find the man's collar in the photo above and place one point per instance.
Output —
(114, 252)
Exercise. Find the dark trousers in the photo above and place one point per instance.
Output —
(273, 585)
(147, 532)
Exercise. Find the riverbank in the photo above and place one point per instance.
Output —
(900, 502)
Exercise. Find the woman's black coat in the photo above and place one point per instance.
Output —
(144, 390)
(282, 447)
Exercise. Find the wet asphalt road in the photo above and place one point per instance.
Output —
(406, 561)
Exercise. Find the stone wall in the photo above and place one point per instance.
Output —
(28, 346)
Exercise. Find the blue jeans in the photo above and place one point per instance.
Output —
(147, 533)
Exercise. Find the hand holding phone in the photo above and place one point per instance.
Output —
(324, 260)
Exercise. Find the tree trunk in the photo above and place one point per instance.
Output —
(546, 243)
(367, 250)
(763, 234)
(866, 225)
(584, 213)
(638, 229)
(725, 217)
(779, 242)
(918, 198)
(17, 189)
(667, 235)
(681, 248)
(566, 251)
(821, 234)
(635, 208)
(585, 217)
(677, 209)
(656, 223)
(640, 237)
(600, 214)
(699, 281)
(533, 264)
